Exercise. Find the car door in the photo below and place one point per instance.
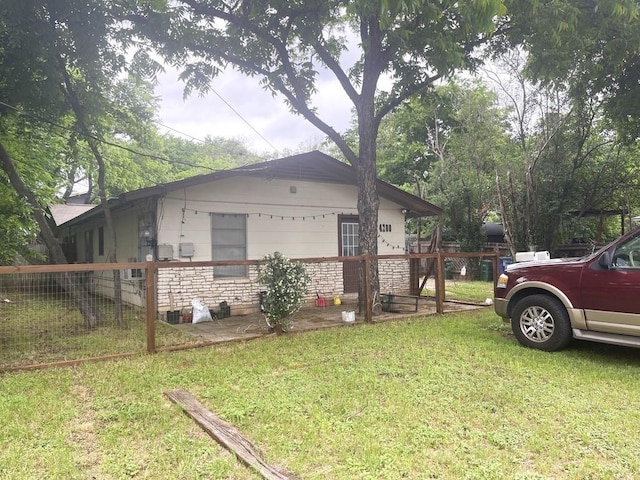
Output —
(611, 294)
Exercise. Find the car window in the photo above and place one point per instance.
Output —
(627, 254)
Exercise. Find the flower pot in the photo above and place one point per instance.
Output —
(173, 316)
(349, 316)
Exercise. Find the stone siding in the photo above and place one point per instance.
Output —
(394, 276)
(242, 294)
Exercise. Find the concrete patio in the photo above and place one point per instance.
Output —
(309, 318)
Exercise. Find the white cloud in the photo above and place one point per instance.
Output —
(199, 116)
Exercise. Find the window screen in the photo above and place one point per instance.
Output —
(101, 241)
(350, 238)
(229, 242)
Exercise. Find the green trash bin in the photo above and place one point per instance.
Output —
(486, 270)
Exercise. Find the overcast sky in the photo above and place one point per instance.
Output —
(209, 115)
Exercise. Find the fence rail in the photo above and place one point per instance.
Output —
(42, 322)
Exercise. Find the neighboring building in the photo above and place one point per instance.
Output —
(302, 206)
(61, 214)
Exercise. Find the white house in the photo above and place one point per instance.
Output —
(302, 206)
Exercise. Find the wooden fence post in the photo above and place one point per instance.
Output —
(151, 306)
(440, 274)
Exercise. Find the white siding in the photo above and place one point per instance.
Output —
(126, 226)
(300, 224)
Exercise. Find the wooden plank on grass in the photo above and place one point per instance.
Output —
(226, 435)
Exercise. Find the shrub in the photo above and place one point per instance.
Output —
(286, 286)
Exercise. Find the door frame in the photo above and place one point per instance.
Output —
(350, 270)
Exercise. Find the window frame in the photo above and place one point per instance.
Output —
(218, 244)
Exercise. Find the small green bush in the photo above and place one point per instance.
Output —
(286, 286)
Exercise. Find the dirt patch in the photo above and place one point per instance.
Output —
(82, 434)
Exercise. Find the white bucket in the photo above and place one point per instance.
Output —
(349, 317)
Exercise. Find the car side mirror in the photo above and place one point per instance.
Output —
(605, 260)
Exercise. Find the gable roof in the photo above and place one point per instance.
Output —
(63, 213)
(313, 166)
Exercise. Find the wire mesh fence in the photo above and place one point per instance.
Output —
(59, 316)
(52, 314)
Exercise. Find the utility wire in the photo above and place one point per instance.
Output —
(244, 120)
(101, 140)
(116, 145)
(181, 133)
(238, 114)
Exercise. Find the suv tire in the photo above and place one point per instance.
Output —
(541, 322)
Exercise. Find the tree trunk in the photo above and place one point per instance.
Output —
(104, 203)
(368, 204)
(81, 298)
(506, 225)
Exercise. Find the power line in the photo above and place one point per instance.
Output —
(244, 120)
(101, 140)
(238, 114)
(181, 133)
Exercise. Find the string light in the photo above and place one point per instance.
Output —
(271, 216)
(388, 244)
(381, 239)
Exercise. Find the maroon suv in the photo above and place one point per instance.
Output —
(595, 298)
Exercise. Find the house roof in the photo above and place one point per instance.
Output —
(313, 166)
(64, 213)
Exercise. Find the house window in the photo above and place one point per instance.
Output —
(101, 241)
(88, 246)
(350, 233)
(70, 249)
(229, 242)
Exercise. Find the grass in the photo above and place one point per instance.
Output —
(449, 397)
(48, 328)
(470, 291)
(473, 291)
(44, 329)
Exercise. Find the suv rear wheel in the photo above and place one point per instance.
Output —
(541, 321)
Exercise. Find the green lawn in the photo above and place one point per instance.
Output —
(472, 291)
(450, 397)
(45, 329)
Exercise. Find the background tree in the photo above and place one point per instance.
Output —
(563, 162)
(452, 138)
(288, 44)
(590, 46)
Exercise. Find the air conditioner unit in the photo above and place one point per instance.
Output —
(126, 274)
(165, 252)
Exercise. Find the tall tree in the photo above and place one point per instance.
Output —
(448, 142)
(590, 46)
(568, 158)
(536, 116)
(288, 44)
(60, 59)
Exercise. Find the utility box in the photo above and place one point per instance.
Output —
(187, 250)
(165, 252)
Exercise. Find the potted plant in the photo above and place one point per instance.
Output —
(285, 285)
